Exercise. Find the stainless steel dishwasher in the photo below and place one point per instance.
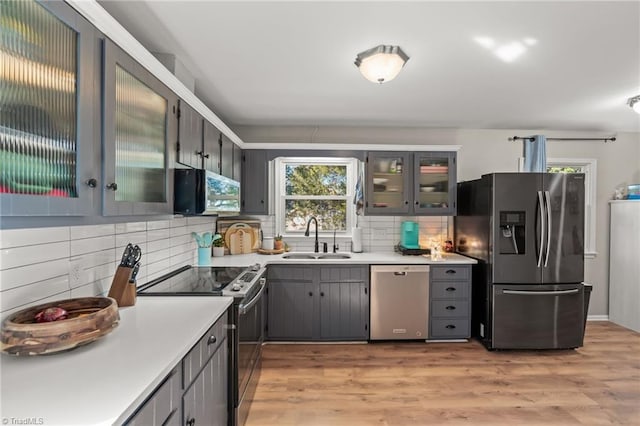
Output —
(399, 302)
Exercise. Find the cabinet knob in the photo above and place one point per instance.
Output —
(261, 201)
(91, 183)
(212, 339)
(417, 203)
(322, 294)
(202, 154)
(406, 202)
(112, 186)
(310, 293)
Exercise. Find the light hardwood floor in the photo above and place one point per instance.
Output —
(451, 383)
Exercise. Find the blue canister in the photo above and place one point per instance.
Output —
(204, 256)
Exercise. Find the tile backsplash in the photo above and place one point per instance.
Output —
(42, 264)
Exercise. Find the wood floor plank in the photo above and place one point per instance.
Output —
(417, 383)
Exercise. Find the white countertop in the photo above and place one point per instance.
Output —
(103, 382)
(356, 258)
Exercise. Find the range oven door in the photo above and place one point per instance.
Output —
(538, 316)
(250, 339)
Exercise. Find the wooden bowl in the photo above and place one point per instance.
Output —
(88, 319)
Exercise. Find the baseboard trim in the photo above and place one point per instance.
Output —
(597, 317)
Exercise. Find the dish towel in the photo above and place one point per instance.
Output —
(535, 154)
(358, 197)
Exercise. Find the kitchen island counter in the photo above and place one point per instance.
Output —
(104, 382)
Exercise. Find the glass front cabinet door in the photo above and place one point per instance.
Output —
(434, 183)
(139, 120)
(388, 183)
(49, 131)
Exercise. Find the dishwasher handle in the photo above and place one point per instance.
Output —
(399, 269)
(400, 274)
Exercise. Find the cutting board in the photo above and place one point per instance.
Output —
(241, 237)
(241, 242)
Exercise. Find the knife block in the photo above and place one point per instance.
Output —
(123, 291)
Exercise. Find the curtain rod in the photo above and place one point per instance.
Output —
(531, 139)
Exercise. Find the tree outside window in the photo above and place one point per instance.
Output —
(314, 187)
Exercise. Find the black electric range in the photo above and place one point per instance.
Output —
(236, 282)
(246, 316)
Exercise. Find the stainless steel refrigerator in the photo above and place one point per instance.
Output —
(527, 232)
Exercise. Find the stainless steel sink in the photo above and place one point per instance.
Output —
(316, 256)
(299, 256)
(334, 256)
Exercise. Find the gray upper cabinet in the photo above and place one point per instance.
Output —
(190, 128)
(255, 182)
(434, 175)
(237, 163)
(310, 302)
(211, 147)
(226, 156)
(388, 182)
(49, 116)
(403, 183)
(139, 121)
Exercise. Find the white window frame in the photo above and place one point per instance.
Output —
(590, 170)
(279, 191)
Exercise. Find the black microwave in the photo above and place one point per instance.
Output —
(202, 192)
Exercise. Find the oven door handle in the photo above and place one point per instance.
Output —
(245, 307)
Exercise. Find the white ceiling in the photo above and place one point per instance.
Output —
(291, 63)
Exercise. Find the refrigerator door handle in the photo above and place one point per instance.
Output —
(547, 197)
(543, 226)
(541, 293)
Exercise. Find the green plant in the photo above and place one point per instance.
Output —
(278, 238)
(218, 240)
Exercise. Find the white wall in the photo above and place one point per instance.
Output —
(486, 151)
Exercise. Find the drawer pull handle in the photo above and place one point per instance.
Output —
(451, 289)
(450, 326)
(450, 271)
(450, 308)
(310, 293)
(212, 340)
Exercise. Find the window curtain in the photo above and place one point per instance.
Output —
(535, 154)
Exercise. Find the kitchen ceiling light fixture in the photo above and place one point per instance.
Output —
(635, 103)
(381, 63)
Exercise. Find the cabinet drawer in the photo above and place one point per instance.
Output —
(198, 356)
(450, 308)
(450, 290)
(450, 328)
(452, 272)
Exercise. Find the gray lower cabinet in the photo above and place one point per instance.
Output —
(450, 302)
(205, 402)
(313, 302)
(195, 392)
(290, 302)
(163, 407)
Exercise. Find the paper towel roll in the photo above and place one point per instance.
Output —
(356, 240)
